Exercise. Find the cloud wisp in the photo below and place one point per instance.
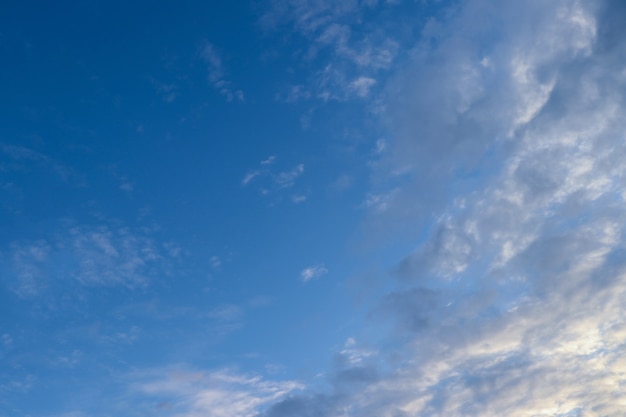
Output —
(287, 179)
(313, 272)
(274, 181)
(217, 73)
(360, 53)
(86, 255)
(190, 393)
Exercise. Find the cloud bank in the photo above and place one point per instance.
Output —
(507, 125)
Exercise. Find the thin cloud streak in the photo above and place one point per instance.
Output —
(217, 73)
(194, 393)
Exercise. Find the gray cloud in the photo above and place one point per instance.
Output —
(508, 123)
(353, 370)
(305, 406)
(528, 258)
(459, 108)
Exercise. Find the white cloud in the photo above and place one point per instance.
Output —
(168, 92)
(269, 161)
(294, 93)
(272, 182)
(127, 186)
(362, 85)
(358, 52)
(343, 182)
(190, 393)
(216, 262)
(381, 145)
(251, 175)
(217, 73)
(107, 256)
(24, 159)
(533, 247)
(313, 272)
(287, 179)
(379, 203)
(226, 319)
(298, 198)
(229, 312)
(308, 16)
(18, 385)
(26, 263)
(88, 255)
(353, 354)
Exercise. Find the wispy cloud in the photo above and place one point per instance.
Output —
(167, 92)
(264, 169)
(217, 73)
(379, 203)
(313, 272)
(362, 85)
(287, 179)
(343, 183)
(358, 53)
(216, 262)
(25, 263)
(223, 393)
(18, 385)
(269, 160)
(298, 198)
(226, 319)
(19, 159)
(88, 255)
(273, 180)
(7, 340)
(249, 177)
(355, 355)
(227, 312)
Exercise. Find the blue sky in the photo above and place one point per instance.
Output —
(321, 208)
